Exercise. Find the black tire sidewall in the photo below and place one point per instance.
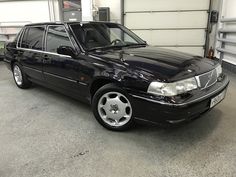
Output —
(25, 82)
(100, 92)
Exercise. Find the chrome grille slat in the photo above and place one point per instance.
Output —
(207, 79)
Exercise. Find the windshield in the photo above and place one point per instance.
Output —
(105, 35)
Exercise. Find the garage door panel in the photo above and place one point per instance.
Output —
(161, 5)
(172, 37)
(199, 51)
(169, 23)
(166, 20)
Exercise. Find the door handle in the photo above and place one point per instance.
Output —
(20, 52)
(46, 57)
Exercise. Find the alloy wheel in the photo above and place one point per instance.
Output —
(17, 75)
(115, 109)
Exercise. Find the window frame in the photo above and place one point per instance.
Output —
(122, 27)
(19, 38)
(22, 34)
(46, 35)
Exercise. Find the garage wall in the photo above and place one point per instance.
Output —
(87, 6)
(228, 12)
(115, 8)
(15, 14)
(216, 5)
(33, 11)
(178, 24)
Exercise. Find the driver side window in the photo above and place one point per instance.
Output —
(56, 37)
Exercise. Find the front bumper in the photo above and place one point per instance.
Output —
(151, 109)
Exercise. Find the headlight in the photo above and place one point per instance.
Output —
(172, 89)
(218, 70)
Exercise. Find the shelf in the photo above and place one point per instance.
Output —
(225, 20)
(226, 51)
(225, 30)
(226, 40)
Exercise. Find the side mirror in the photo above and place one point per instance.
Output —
(66, 50)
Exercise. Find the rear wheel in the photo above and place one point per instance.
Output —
(112, 108)
(20, 77)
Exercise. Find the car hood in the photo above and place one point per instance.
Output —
(161, 64)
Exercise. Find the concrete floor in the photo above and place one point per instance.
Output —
(43, 133)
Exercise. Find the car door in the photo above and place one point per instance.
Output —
(30, 51)
(61, 71)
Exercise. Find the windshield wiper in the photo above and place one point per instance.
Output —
(117, 46)
(107, 47)
(135, 45)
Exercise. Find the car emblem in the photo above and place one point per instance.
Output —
(114, 108)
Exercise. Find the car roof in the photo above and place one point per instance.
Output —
(69, 23)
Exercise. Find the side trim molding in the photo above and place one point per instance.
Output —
(53, 75)
(43, 52)
(32, 69)
(64, 78)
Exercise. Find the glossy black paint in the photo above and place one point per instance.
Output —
(184, 108)
(133, 69)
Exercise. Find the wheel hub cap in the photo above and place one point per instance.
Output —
(17, 75)
(115, 109)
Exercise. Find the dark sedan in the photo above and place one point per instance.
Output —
(111, 68)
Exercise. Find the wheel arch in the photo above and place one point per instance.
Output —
(100, 82)
(12, 63)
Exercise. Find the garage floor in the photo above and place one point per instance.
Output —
(43, 133)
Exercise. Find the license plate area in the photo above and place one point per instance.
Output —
(217, 99)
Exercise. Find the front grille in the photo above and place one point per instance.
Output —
(207, 79)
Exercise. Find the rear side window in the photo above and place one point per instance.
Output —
(19, 36)
(56, 37)
(33, 38)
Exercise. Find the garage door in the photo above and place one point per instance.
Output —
(176, 24)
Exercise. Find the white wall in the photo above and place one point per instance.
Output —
(54, 10)
(115, 8)
(24, 11)
(229, 8)
(87, 14)
(38, 11)
(15, 14)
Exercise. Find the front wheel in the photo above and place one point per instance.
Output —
(112, 108)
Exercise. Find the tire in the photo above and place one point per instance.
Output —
(20, 77)
(112, 108)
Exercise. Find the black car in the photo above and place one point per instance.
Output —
(108, 66)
